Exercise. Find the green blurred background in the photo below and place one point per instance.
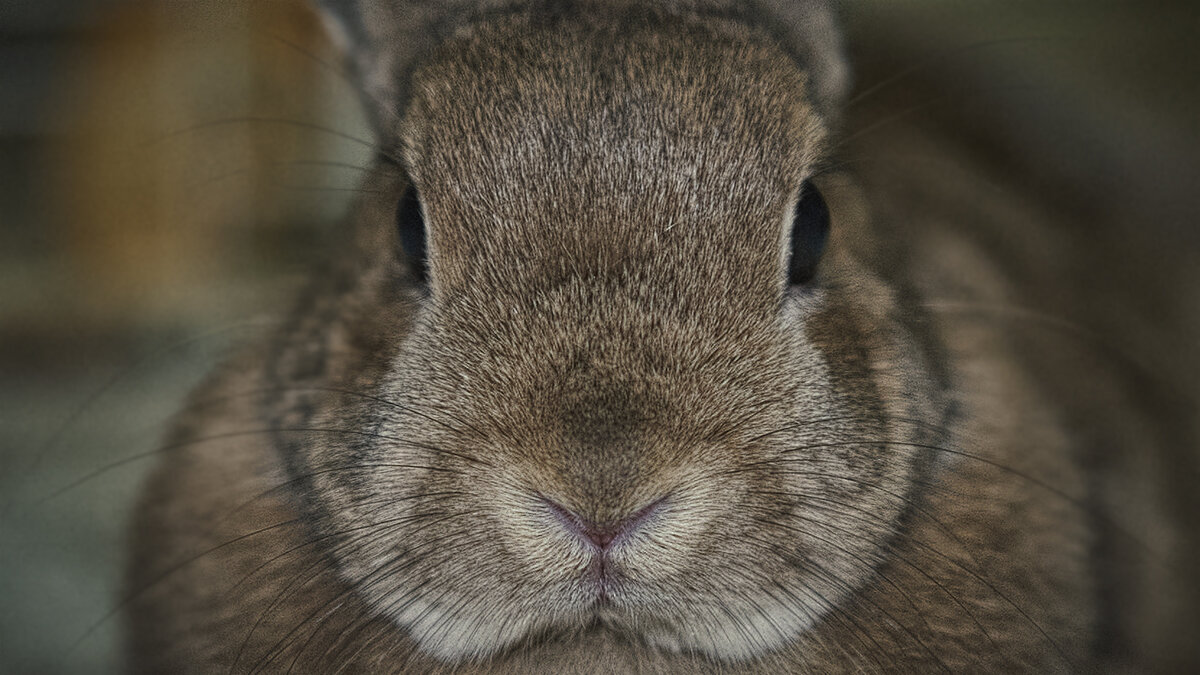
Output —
(158, 201)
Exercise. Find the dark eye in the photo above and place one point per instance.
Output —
(810, 231)
(410, 222)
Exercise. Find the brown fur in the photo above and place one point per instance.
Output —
(607, 188)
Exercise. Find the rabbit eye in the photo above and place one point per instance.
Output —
(810, 231)
(410, 222)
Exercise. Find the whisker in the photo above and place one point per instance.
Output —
(125, 602)
(378, 529)
(329, 188)
(816, 422)
(184, 563)
(321, 566)
(909, 503)
(869, 569)
(299, 124)
(1078, 503)
(117, 378)
(427, 416)
(895, 555)
(992, 587)
(337, 70)
(1086, 335)
(391, 607)
(831, 608)
(354, 588)
(172, 447)
(932, 104)
(930, 61)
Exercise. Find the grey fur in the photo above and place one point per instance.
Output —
(384, 39)
(607, 187)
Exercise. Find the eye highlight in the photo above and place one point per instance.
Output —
(810, 232)
(410, 225)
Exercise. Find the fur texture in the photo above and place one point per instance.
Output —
(607, 188)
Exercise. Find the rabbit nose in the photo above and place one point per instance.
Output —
(604, 535)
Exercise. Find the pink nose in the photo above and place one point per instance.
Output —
(603, 535)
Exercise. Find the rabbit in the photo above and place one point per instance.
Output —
(618, 372)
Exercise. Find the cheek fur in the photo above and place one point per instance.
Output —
(515, 567)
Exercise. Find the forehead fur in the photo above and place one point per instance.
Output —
(384, 39)
(631, 140)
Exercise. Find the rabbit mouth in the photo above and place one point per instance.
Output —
(607, 586)
(602, 578)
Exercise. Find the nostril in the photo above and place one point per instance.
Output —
(600, 535)
(603, 535)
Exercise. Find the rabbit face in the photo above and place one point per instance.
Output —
(610, 409)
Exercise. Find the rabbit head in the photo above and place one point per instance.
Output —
(611, 385)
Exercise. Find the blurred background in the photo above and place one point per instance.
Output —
(169, 170)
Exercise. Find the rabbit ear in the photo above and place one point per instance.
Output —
(381, 39)
(347, 23)
(811, 26)
(344, 20)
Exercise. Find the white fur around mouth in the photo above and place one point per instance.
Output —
(744, 635)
